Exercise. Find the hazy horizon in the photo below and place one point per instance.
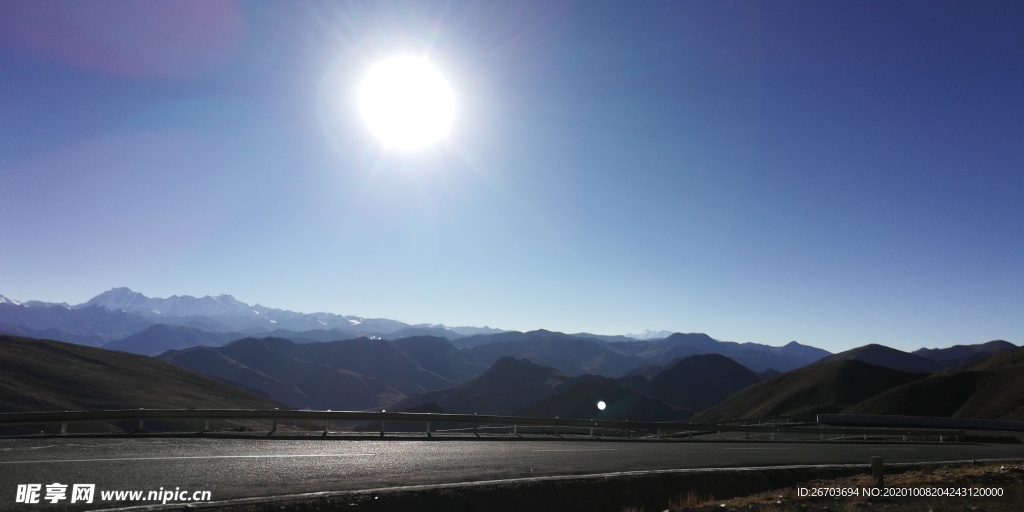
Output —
(836, 174)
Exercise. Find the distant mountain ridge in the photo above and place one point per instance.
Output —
(121, 312)
(354, 374)
(959, 355)
(523, 388)
(887, 357)
(754, 356)
(234, 313)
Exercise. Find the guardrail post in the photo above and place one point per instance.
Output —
(206, 426)
(64, 428)
(940, 438)
(878, 471)
(515, 430)
(591, 431)
(428, 430)
(327, 427)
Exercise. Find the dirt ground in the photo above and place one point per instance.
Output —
(959, 488)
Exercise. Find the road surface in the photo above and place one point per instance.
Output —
(239, 468)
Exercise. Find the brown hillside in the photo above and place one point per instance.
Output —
(44, 375)
(819, 388)
(992, 388)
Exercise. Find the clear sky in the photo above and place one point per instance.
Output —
(836, 173)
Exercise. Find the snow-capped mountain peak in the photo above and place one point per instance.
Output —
(5, 300)
(648, 334)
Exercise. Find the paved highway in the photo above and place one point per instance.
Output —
(237, 468)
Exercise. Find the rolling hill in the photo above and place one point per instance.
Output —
(509, 385)
(819, 388)
(520, 387)
(697, 382)
(755, 356)
(880, 355)
(44, 375)
(992, 388)
(580, 400)
(160, 338)
(342, 375)
(574, 356)
(960, 355)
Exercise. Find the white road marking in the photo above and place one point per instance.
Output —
(582, 450)
(754, 448)
(284, 456)
(27, 448)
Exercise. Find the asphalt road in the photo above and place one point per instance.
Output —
(238, 468)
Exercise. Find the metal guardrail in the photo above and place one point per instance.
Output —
(660, 429)
(876, 420)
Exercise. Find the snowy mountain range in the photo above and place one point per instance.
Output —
(226, 313)
(648, 334)
(121, 311)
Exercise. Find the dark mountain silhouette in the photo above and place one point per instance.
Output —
(508, 386)
(574, 356)
(438, 355)
(603, 337)
(819, 388)
(698, 382)
(349, 374)
(992, 388)
(313, 335)
(963, 354)
(409, 332)
(476, 340)
(520, 387)
(881, 355)
(580, 400)
(45, 375)
(160, 338)
(752, 355)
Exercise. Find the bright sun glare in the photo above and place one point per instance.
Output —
(406, 103)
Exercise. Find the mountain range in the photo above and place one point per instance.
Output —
(329, 361)
(121, 312)
(122, 319)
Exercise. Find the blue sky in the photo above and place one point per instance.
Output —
(835, 173)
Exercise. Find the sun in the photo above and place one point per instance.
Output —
(406, 103)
